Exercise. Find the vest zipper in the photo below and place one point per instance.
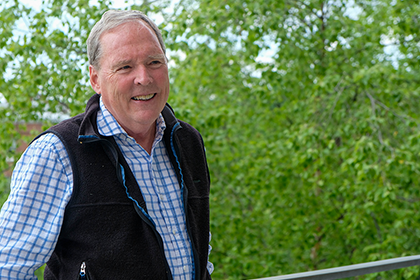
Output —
(137, 207)
(121, 178)
(83, 274)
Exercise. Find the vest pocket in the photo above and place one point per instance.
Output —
(83, 275)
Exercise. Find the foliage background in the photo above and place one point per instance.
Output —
(309, 110)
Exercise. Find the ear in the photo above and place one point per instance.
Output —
(94, 79)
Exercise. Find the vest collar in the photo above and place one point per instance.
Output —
(89, 127)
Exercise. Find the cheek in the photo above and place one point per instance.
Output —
(124, 84)
(115, 87)
(162, 79)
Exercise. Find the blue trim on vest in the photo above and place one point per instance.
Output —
(176, 157)
(176, 126)
(131, 198)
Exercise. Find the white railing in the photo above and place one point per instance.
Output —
(351, 270)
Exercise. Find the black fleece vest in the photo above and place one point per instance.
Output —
(104, 223)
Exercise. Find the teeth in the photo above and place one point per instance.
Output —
(143, 97)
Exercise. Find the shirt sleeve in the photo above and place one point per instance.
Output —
(210, 266)
(31, 218)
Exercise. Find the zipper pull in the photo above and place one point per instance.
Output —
(83, 271)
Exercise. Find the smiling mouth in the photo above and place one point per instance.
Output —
(143, 97)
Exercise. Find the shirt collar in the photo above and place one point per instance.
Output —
(108, 125)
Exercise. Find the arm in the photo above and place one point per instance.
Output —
(31, 218)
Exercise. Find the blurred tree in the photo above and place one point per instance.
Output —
(310, 115)
(309, 111)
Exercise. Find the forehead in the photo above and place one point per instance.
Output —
(126, 30)
(130, 36)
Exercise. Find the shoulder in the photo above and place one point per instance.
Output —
(59, 133)
(69, 125)
(188, 130)
(44, 142)
(45, 152)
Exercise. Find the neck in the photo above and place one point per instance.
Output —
(145, 138)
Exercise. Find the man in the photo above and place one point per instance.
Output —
(120, 191)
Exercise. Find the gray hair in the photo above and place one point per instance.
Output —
(112, 19)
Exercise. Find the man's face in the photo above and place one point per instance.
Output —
(133, 76)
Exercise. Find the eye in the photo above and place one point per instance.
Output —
(154, 62)
(123, 68)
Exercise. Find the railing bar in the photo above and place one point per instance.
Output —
(351, 270)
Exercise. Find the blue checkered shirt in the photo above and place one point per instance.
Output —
(41, 187)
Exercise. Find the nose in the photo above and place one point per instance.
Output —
(143, 76)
